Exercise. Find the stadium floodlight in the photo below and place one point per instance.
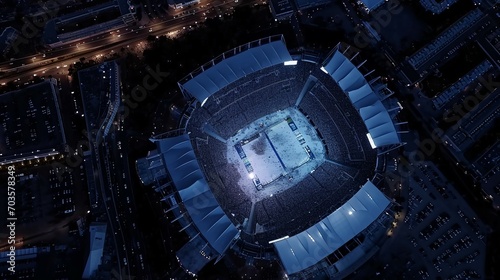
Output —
(202, 103)
(323, 69)
(251, 175)
(290, 62)
(279, 239)
(370, 139)
(400, 106)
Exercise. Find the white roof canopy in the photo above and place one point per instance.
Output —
(235, 67)
(317, 242)
(363, 98)
(379, 124)
(196, 195)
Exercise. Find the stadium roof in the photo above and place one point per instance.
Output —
(235, 67)
(303, 4)
(196, 195)
(346, 74)
(317, 242)
(362, 97)
(377, 120)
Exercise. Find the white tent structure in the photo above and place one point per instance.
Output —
(382, 131)
(309, 247)
(203, 208)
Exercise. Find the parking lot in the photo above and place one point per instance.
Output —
(440, 235)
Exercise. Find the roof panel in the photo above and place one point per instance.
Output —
(372, 4)
(198, 187)
(350, 78)
(228, 73)
(362, 96)
(212, 220)
(352, 81)
(335, 62)
(386, 139)
(343, 70)
(261, 59)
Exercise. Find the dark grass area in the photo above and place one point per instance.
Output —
(322, 39)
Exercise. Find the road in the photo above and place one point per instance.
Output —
(26, 67)
(106, 43)
(123, 200)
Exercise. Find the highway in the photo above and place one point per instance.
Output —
(124, 200)
(116, 191)
(24, 68)
(103, 44)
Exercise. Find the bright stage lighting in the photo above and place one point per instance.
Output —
(370, 139)
(203, 103)
(279, 239)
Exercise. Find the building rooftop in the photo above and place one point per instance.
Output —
(97, 238)
(30, 123)
(281, 8)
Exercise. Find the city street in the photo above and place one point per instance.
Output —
(51, 62)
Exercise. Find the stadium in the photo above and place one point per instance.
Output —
(279, 157)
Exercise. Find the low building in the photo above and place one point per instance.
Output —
(97, 238)
(281, 9)
(7, 38)
(88, 22)
(305, 4)
(179, 4)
